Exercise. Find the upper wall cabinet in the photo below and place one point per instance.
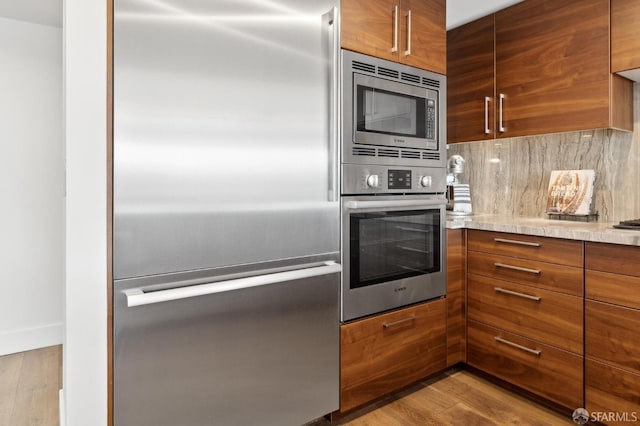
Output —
(625, 38)
(550, 73)
(406, 31)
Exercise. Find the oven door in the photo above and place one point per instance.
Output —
(392, 253)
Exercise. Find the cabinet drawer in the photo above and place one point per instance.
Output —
(613, 288)
(615, 258)
(609, 389)
(613, 334)
(387, 352)
(546, 371)
(549, 317)
(565, 279)
(543, 249)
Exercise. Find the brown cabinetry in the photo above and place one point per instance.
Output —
(525, 312)
(612, 328)
(406, 31)
(625, 35)
(386, 352)
(456, 292)
(551, 73)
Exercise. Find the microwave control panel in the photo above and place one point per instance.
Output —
(373, 179)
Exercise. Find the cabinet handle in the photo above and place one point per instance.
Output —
(521, 243)
(515, 293)
(517, 268)
(391, 324)
(501, 127)
(394, 48)
(487, 130)
(536, 352)
(408, 51)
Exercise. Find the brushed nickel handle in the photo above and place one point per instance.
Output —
(501, 127)
(408, 51)
(536, 352)
(487, 130)
(391, 324)
(394, 48)
(517, 268)
(520, 243)
(518, 294)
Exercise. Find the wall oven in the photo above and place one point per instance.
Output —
(393, 245)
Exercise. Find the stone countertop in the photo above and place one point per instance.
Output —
(586, 231)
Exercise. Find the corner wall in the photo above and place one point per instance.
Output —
(32, 186)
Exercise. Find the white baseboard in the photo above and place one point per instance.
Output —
(27, 339)
(61, 408)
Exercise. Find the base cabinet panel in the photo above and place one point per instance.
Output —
(384, 353)
(613, 392)
(549, 372)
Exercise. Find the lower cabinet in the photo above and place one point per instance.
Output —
(383, 353)
(552, 373)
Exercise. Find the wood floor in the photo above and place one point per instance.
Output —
(456, 397)
(29, 386)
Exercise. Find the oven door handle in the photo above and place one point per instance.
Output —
(379, 204)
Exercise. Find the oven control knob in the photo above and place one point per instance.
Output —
(425, 181)
(373, 181)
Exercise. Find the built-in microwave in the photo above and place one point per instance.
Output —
(391, 111)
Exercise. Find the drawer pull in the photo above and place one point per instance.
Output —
(520, 243)
(517, 268)
(391, 324)
(517, 346)
(515, 293)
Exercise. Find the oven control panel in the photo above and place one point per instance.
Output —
(361, 179)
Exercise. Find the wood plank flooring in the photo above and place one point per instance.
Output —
(456, 397)
(29, 386)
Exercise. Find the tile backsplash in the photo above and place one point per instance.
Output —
(511, 176)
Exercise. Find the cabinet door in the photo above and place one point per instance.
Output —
(470, 82)
(625, 35)
(552, 66)
(423, 35)
(371, 27)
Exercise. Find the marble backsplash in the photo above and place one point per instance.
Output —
(511, 176)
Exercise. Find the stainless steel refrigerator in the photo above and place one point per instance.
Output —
(226, 216)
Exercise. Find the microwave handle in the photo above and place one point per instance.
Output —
(332, 25)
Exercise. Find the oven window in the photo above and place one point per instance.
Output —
(388, 246)
(382, 111)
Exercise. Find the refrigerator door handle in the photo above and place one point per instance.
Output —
(331, 21)
(137, 296)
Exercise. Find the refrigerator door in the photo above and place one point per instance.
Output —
(223, 153)
(248, 351)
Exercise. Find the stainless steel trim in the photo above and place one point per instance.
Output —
(394, 48)
(332, 19)
(487, 130)
(501, 127)
(362, 205)
(517, 268)
(517, 346)
(402, 321)
(408, 51)
(137, 296)
(521, 243)
(518, 294)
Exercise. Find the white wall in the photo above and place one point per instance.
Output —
(85, 343)
(31, 187)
